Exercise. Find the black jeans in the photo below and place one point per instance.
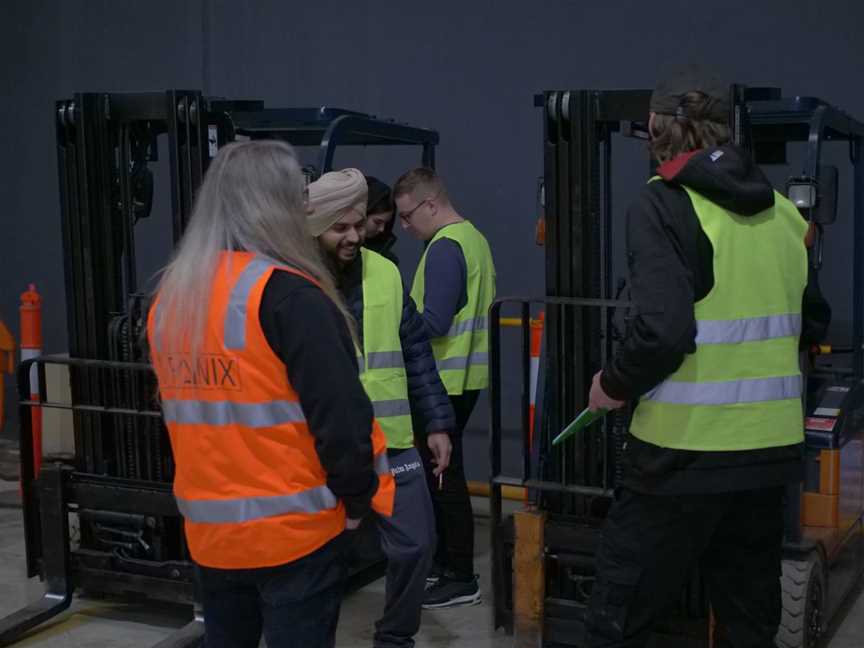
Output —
(454, 519)
(651, 542)
(296, 604)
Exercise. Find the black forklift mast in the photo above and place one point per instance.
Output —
(572, 487)
(127, 535)
(548, 550)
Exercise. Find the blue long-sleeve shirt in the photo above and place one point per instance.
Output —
(446, 293)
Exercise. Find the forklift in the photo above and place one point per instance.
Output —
(543, 555)
(104, 521)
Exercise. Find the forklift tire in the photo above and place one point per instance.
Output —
(803, 591)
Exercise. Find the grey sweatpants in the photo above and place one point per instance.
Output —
(408, 541)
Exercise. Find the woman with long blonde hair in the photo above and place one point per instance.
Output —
(276, 451)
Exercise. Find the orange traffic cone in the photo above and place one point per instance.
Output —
(536, 345)
(7, 365)
(31, 347)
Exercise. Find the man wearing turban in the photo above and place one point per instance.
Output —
(398, 370)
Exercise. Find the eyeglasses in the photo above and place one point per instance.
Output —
(407, 216)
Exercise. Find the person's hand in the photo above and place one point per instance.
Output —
(440, 447)
(351, 524)
(598, 400)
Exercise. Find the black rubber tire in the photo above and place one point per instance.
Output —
(803, 589)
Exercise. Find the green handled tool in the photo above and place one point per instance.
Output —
(585, 418)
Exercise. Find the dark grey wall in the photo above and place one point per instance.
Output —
(468, 69)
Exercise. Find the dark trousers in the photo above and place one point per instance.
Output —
(296, 604)
(408, 541)
(651, 542)
(454, 519)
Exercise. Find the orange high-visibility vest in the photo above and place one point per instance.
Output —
(248, 480)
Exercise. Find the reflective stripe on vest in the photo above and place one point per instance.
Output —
(727, 393)
(382, 464)
(246, 509)
(253, 415)
(474, 324)
(385, 408)
(235, 318)
(381, 360)
(461, 362)
(749, 329)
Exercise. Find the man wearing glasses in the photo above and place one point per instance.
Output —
(453, 288)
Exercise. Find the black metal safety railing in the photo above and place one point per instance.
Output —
(574, 481)
(554, 409)
(129, 525)
(127, 409)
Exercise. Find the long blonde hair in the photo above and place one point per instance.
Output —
(252, 200)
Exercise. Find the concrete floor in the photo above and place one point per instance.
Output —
(92, 624)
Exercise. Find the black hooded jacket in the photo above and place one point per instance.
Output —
(380, 200)
(671, 268)
(383, 244)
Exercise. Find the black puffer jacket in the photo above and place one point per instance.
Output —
(430, 404)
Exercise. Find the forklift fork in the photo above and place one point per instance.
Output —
(56, 569)
(55, 558)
